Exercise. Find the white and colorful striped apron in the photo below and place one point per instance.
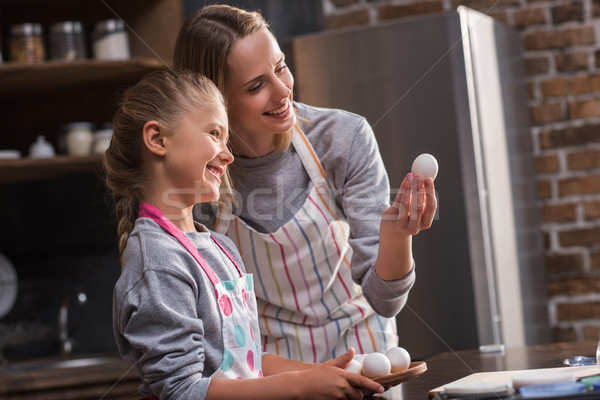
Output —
(309, 307)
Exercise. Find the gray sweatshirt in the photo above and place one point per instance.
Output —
(271, 189)
(166, 318)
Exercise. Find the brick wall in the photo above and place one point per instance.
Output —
(561, 42)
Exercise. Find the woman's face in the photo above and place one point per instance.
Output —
(259, 87)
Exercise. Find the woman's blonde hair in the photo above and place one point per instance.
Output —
(165, 97)
(204, 41)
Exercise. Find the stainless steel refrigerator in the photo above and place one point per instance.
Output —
(449, 84)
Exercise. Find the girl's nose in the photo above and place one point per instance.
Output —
(226, 156)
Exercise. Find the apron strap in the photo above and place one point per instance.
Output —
(149, 211)
(309, 158)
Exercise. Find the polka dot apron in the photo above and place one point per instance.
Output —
(310, 308)
(237, 303)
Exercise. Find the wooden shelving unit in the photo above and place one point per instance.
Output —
(40, 99)
(33, 79)
(28, 169)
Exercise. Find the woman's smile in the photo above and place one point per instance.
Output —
(281, 111)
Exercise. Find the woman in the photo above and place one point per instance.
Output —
(332, 260)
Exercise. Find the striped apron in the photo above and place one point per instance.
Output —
(309, 307)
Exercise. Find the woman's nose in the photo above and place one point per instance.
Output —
(283, 90)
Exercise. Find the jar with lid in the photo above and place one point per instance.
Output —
(67, 41)
(111, 40)
(102, 139)
(27, 43)
(79, 138)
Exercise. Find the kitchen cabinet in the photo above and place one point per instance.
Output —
(39, 99)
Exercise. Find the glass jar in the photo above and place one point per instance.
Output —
(66, 41)
(111, 40)
(27, 43)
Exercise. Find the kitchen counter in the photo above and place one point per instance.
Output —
(92, 376)
(450, 366)
(107, 377)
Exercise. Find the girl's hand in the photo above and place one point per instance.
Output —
(343, 360)
(327, 381)
(413, 208)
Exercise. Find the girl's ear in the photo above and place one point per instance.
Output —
(154, 138)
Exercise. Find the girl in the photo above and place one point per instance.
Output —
(332, 260)
(184, 308)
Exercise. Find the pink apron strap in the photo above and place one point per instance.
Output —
(149, 211)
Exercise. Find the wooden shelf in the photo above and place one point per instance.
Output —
(19, 79)
(30, 169)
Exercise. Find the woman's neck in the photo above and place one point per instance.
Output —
(253, 146)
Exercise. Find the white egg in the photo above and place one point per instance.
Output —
(376, 364)
(360, 358)
(425, 165)
(354, 367)
(399, 358)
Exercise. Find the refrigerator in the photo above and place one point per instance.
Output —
(452, 85)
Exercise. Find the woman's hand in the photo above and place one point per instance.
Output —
(412, 211)
(413, 208)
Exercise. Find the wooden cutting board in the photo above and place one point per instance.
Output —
(506, 376)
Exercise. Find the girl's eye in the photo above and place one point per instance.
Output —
(214, 133)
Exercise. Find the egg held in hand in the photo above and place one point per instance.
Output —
(399, 359)
(354, 366)
(360, 358)
(425, 165)
(376, 364)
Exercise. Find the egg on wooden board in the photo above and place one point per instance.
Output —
(399, 359)
(425, 165)
(376, 364)
(354, 367)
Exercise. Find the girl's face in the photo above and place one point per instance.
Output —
(259, 87)
(197, 155)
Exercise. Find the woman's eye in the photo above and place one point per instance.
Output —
(255, 88)
(281, 69)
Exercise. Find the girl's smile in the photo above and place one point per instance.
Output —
(216, 171)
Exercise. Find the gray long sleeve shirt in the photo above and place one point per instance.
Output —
(166, 318)
(271, 189)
